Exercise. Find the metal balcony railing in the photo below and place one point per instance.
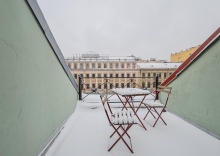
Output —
(96, 85)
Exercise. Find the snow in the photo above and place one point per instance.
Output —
(87, 132)
(103, 58)
(130, 91)
(158, 65)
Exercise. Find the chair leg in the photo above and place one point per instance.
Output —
(126, 102)
(118, 129)
(149, 112)
(121, 137)
(115, 131)
(159, 116)
(126, 132)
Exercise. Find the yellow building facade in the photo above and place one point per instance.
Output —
(183, 55)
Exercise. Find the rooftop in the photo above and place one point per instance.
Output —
(87, 131)
(158, 65)
(92, 56)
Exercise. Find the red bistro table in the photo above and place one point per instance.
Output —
(128, 94)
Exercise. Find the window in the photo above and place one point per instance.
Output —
(170, 73)
(110, 65)
(87, 86)
(159, 74)
(105, 65)
(99, 65)
(133, 65)
(105, 75)
(81, 66)
(99, 75)
(128, 75)
(105, 85)
(75, 65)
(165, 75)
(154, 74)
(87, 75)
(148, 85)
(110, 75)
(122, 75)
(93, 85)
(116, 85)
(122, 65)
(75, 76)
(159, 83)
(122, 85)
(128, 65)
(93, 65)
(81, 75)
(111, 85)
(69, 65)
(116, 65)
(143, 84)
(143, 74)
(154, 85)
(87, 66)
(116, 75)
(133, 75)
(93, 75)
(148, 75)
(128, 85)
(99, 86)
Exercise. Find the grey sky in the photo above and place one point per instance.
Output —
(144, 28)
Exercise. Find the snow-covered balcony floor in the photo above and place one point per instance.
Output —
(87, 132)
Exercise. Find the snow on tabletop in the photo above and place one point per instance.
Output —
(130, 91)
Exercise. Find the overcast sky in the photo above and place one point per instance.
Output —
(144, 28)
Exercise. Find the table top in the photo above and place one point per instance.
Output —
(130, 91)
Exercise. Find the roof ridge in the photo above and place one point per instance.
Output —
(192, 57)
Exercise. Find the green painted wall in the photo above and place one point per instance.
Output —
(196, 92)
(36, 95)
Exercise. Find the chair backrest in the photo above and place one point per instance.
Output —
(102, 95)
(104, 100)
(165, 89)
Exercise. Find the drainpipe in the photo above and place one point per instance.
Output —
(156, 83)
(79, 85)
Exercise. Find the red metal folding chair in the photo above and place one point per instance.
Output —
(153, 105)
(120, 121)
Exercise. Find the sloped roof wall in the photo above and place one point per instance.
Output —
(195, 94)
(193, 57)
(36, 94)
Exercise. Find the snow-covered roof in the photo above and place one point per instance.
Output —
(88, 128)
(121, 58)
(158, 65)
(90, 52)
(96, 57)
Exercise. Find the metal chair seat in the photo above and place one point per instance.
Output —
(153, 103)
(123, 117)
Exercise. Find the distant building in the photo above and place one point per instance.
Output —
(163, 70)
(183, 55)
(93, 66)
